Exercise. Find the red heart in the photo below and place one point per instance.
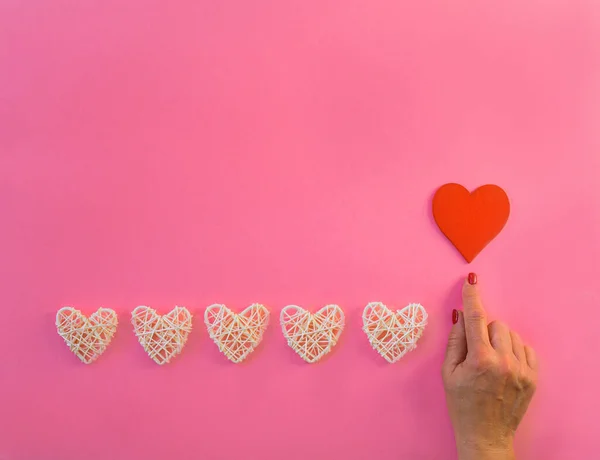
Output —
(470, 220)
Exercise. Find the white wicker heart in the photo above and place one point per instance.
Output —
(86, 337)
(394, 333)
(312, 335)
(236, 334)
(162, 336)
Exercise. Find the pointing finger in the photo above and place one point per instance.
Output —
(475, 316)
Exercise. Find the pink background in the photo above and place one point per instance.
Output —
(286, 152)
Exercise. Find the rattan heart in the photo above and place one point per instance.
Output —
(393, 334)
(236, 335)
(163, 337)
(310, 335)
(86, 337)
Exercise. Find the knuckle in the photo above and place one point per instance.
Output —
(476, 315)
(497, 324)
(505, 367)
(510, 364)
(453, 342)
(448, 384)
(530, 382)
(482, 360)
(533, 386)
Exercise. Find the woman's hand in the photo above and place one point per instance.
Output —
(490, 378)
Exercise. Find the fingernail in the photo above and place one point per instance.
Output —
(472, 278)
(454, 316)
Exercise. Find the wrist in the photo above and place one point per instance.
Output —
(483, 452)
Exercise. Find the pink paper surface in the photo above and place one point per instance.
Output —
(194, 152)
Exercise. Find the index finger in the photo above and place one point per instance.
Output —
(475, 316)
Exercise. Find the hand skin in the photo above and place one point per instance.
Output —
(489, 377)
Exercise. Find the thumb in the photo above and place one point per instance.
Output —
(456, 350)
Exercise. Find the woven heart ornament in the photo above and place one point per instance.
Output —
(162, 336)
(236, 335)
(393, 334)
(86, 337)
(310, 335)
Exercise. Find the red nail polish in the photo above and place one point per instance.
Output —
(454, 316)
(472, 278)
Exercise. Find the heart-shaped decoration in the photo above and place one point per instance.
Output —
(86, 337)
(162, 336)
(310, 335)
(236, 335)
(393, 334)
(470, 220)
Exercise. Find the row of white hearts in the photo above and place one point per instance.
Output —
(312, 335)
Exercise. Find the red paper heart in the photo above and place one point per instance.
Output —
(470, 220)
